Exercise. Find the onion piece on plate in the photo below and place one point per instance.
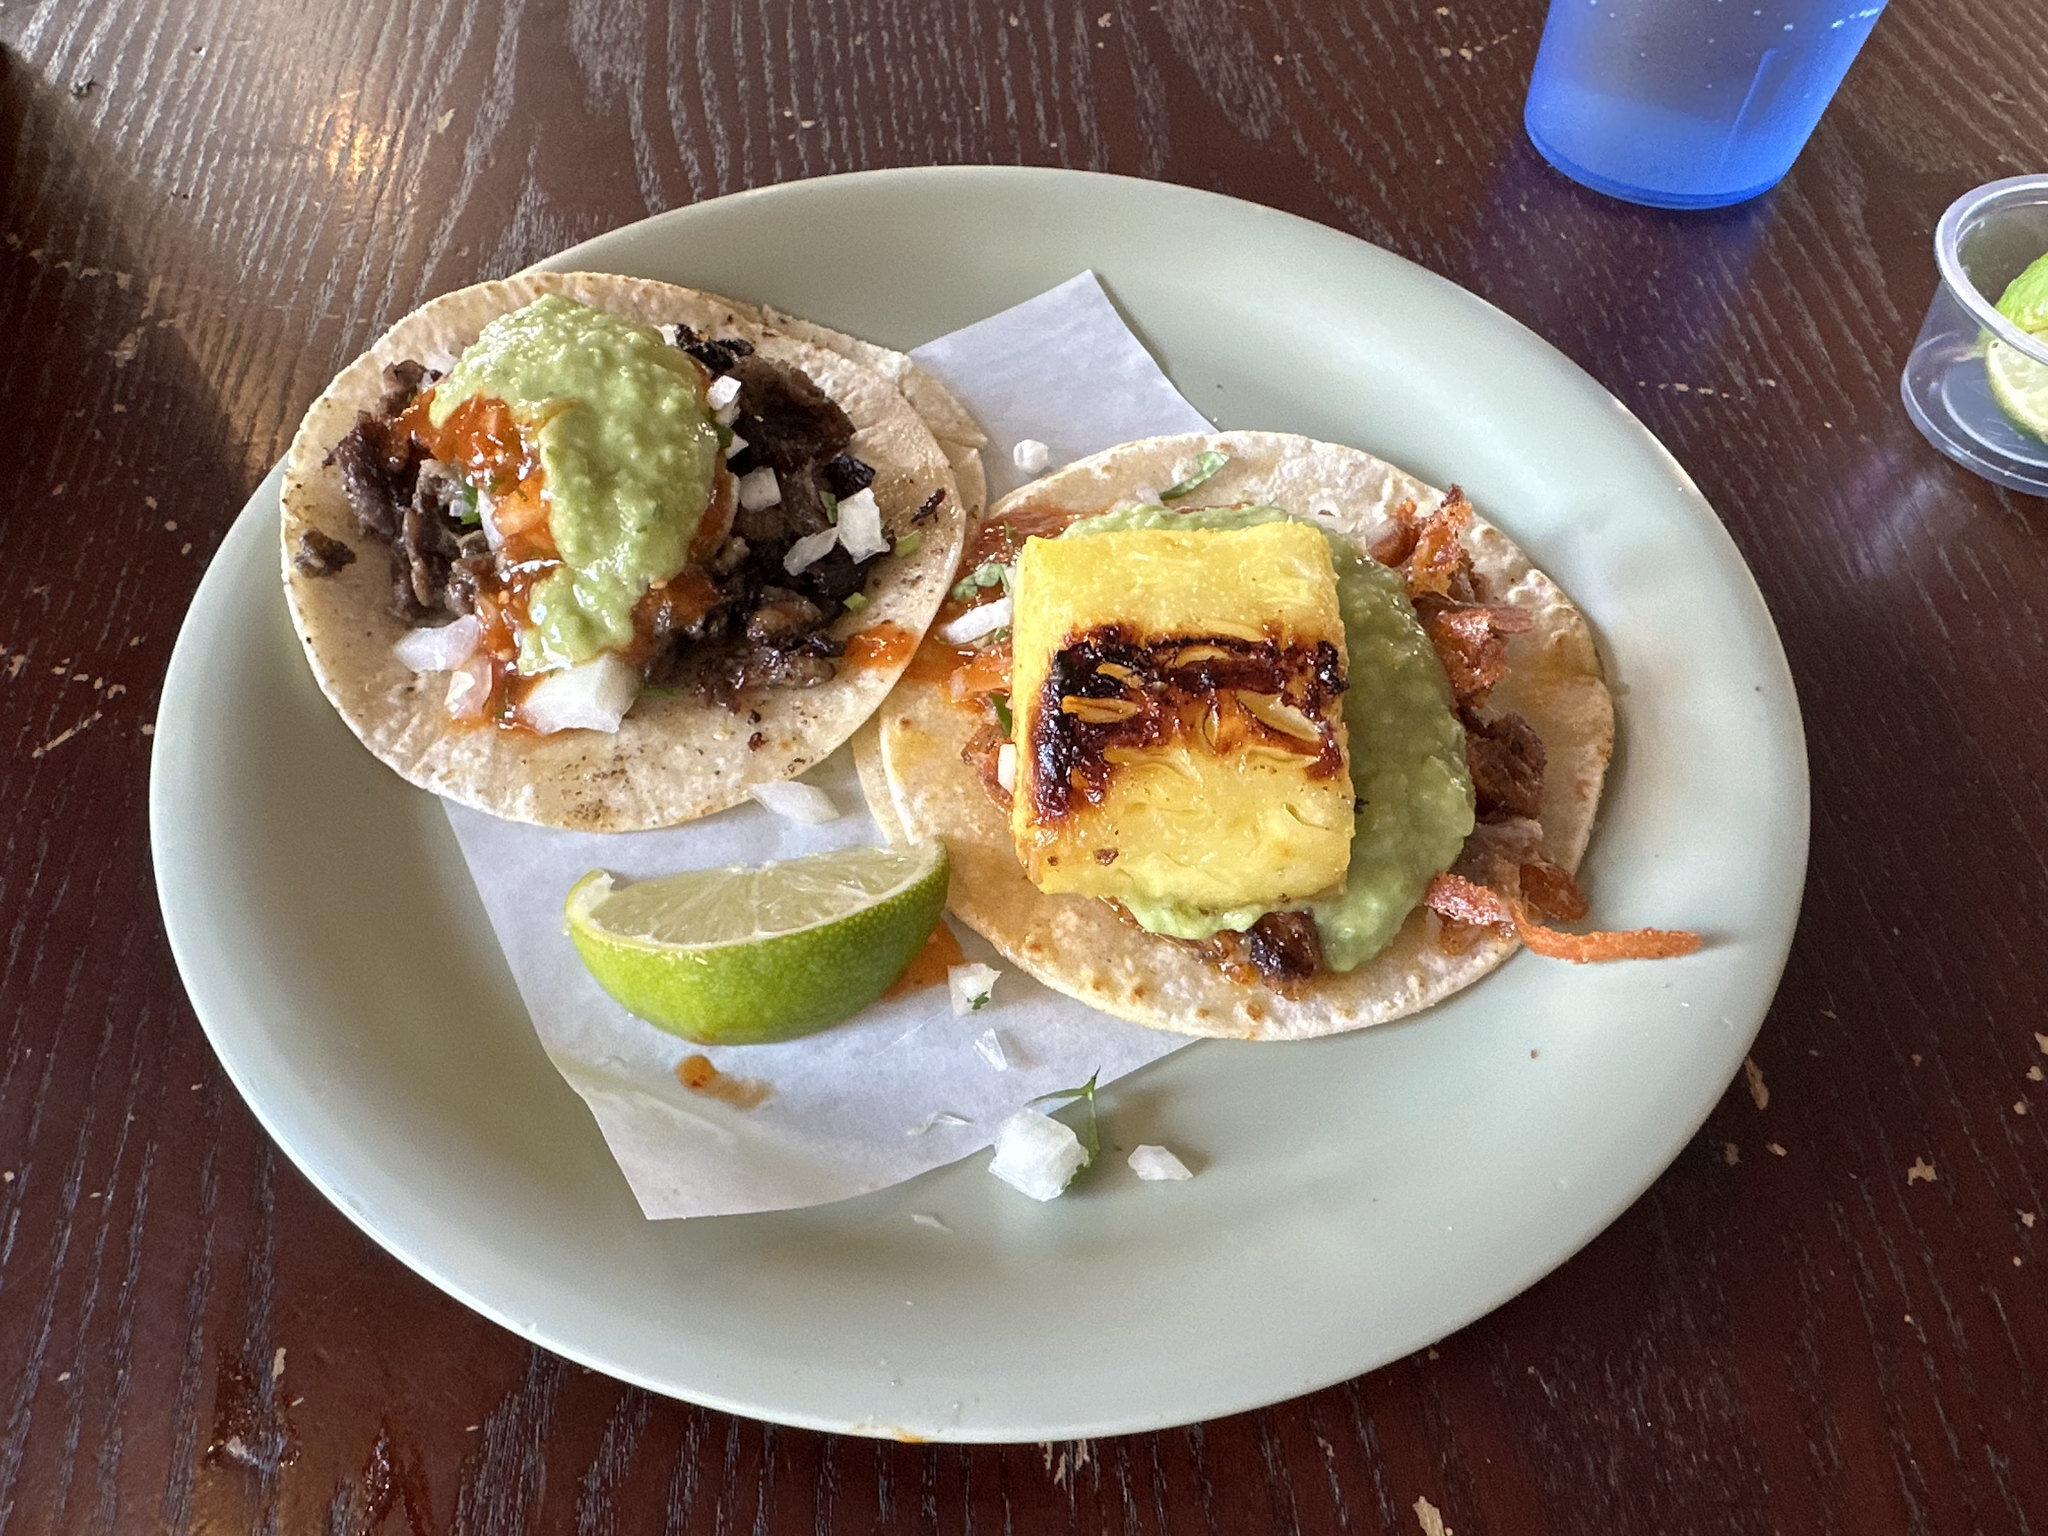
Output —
(1036, 1154)
(1152, 1162)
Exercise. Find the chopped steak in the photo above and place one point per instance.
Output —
(731, 670)
(1506, 759)
(783, 616)
(375, 478)
(714, 357)
(403, 381)
(318, 555)
(785, 417)
(847, 476)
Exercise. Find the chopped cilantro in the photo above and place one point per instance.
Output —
(831, 506)
(1091, 1135)
(1002, 704)
(987, 574)
(910, 544)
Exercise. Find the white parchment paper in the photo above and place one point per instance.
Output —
(907, 1086)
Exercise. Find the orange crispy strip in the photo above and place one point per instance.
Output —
(1463, 901)
(1587, 948)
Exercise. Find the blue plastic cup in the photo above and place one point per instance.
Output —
(1687, 103)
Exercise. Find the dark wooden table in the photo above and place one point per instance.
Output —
(1826, 1317)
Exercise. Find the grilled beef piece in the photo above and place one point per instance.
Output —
(376, 475)
(403, 381)
(731, 670)
(318, 555)
(783, 618)
(714, 357)
(835, 577)
(1286, 948)
(847, 476)
(1506, 759)
(785, 418)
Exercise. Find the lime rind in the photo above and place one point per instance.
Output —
(777, 984)
(2020, 386)
(2025, 300)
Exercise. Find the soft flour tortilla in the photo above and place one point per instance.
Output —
(911, 765)
(675, 757)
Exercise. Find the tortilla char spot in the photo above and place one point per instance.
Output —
(1255, 1013)
(1139, 992)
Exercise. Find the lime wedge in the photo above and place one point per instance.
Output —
(747, 956)
(2025, 300)
(2020, 386)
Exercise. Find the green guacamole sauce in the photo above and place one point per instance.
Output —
(628, 450)
(1407, 753)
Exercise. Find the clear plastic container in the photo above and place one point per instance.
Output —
(1983, 242)
(1687, 103)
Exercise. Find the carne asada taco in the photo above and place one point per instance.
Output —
(1293, 746)
(600, 552)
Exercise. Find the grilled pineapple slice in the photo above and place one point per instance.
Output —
(1176, 703)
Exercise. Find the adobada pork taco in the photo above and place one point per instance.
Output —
(1295, 745)
(602, 553)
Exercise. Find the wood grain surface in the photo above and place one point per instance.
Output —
(1828, 1316)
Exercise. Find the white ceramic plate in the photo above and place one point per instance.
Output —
(1356, 1198)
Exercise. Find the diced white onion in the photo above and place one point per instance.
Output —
(1006, 766)
(989, 1045)
(441, 647)
(860, 526)
(672, 334)
(1030, 455)
(794, 800)
(736, 447)
(759, 489)
(808, 550)
(469, 688)
(728, 416)
(592, 697)
(1036, 1155)
(722, 392)
(1153, 1163)
(486, 511)
(976, 622)
(441, 360)
(971, 986)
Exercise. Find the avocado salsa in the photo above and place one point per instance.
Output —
(629, 451)
(1415, 802)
